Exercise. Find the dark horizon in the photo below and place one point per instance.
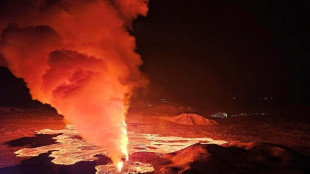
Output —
(209, 52)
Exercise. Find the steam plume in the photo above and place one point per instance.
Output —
(78, 57)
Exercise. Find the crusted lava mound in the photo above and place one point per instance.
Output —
(235, 158)
(191, 119)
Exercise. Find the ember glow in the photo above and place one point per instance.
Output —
(78, 57)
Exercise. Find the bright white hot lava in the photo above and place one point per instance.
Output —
(70, 149)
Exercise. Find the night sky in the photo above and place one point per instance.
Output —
(207, 52)
(204, 53)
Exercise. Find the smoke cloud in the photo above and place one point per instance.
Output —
(78, 57)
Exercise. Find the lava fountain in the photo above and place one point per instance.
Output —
(78, 57)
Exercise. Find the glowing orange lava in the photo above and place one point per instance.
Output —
(70, 150)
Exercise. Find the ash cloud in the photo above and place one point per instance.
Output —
(78, 57)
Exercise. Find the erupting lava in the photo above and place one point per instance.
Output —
(78, 57)
(124, 144)
(125, 141)
(120, 166)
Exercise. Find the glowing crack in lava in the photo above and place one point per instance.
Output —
(78, 57)
(71, 149)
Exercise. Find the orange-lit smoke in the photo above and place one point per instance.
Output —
(78, 57)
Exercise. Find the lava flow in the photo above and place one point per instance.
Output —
(78, 57)
(70, 149)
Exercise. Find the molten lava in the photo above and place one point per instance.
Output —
(78, 57)
(71, 149)
(120, 166)
(124, 144)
